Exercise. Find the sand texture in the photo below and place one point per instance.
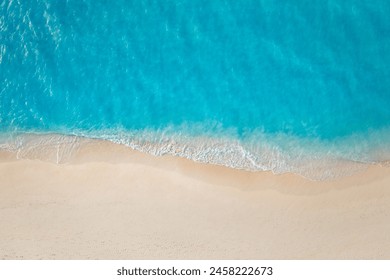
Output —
(110, 202)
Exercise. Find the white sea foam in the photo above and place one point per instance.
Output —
(308, 158)
(313, 159)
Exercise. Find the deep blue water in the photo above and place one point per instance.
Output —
(279, 79)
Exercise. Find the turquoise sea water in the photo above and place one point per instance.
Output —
(295, 86)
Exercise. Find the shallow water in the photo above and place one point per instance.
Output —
(290, 86)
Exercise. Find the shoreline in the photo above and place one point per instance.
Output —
(60, 149)
(111, 202)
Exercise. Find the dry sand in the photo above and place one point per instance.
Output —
(111, 202)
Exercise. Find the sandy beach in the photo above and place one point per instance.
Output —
(110, 202)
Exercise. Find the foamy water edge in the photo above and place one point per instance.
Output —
(314, 165)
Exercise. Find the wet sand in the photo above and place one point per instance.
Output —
(110, 202)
